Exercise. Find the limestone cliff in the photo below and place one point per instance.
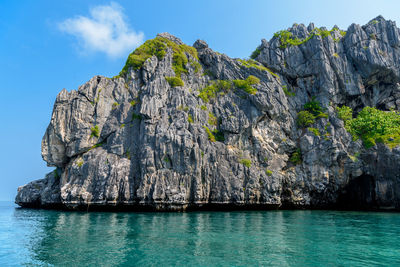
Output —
(186, 127)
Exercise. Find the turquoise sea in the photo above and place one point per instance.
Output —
(240, 238)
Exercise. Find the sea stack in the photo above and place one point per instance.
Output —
(184, 127)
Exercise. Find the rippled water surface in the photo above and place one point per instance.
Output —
(281, 238)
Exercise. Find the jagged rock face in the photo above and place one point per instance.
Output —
(152, 148)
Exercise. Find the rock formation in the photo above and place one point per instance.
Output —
(188, 128)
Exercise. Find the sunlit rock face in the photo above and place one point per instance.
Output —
(167, 134)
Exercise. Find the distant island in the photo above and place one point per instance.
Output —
(310, 120)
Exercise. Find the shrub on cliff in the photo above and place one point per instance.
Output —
(95, 131)
(246, 85)
(312, 111)
(174, 81)
(373, 125)
(314, 107)
(345, 113)
(305, 118)
(286, 38)
(296, 157)
(214, 88)
(255, 53)
(158, 47)
(251, 63)
(288, 92)
(246, 162)
(211, 136)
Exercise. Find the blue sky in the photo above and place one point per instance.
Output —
(49, 45)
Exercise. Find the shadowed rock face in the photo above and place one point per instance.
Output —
(153, 151)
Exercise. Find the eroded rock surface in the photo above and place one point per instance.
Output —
(152, 148)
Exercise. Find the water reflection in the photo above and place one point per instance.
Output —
(284, 238)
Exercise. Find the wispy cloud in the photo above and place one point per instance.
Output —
(105, 30)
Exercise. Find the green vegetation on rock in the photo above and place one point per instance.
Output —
(98, 145)
(196, 65)
(212, 120)
(211, 136)
(246, 162)
(190, 118)
(312, 111)
(372, 126)
(287, 91)
(183, 108)
(115, 105)
(95, 132)
(166, 159)
(224, 86)
(296, 157)
(286, 38)
(342, 33)
(246, 85)
(128, 154)
(80, 162)
(158, 47)
(214, 135)
(373, 22)
(345, 113)
(174, 81)
(255, 53)
(314, 107)
(250, 63)
(305, 118)
(219, 136)
(214, 88)
(154, 47)
(354, 157)
(315, 131)
(136, 116)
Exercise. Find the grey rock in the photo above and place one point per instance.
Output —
(41, 193)
(148, 155)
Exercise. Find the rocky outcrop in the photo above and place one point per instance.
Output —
(138, 141)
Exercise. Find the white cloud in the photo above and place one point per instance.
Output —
(105, 30)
